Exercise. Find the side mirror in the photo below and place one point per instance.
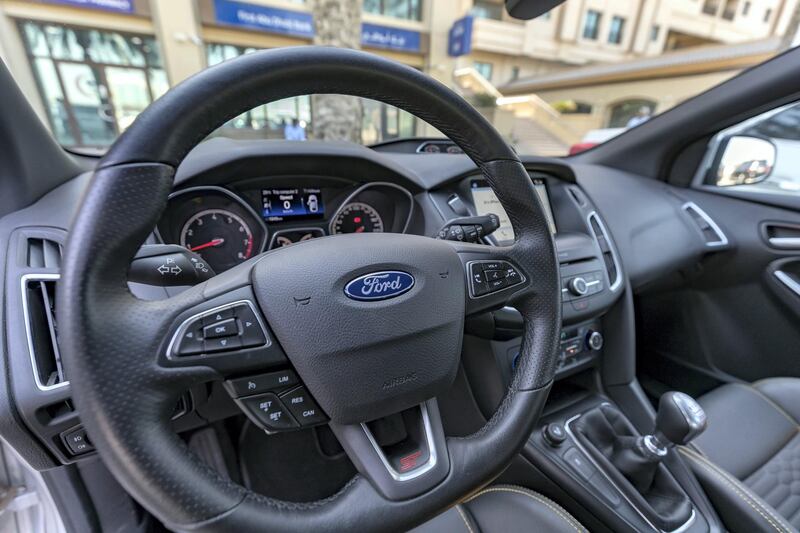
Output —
(742, 160)
(530, 9)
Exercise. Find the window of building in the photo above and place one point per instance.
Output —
(746, 9)
(514, 73)
(629, 113)
(655, 30)
(380, 122)
(487, 10)
(93, 83)
(401, 9)
(710, 7)
(767, 15)
(484, 69)
(616, 32)
(591, 24)
(731, 7)
(269, 119)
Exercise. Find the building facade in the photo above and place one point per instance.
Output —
(92, 65)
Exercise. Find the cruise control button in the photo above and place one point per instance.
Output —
(222, 344)
(303, 407)
(269, 412)
(252, 334)
(261, 383)
(226, 328)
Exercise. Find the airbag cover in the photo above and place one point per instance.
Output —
(366, 358)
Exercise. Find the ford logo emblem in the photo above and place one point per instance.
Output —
(379, 285)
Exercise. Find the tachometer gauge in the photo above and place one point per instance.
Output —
(358, 217)
(221, 237)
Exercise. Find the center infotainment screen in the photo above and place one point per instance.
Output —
(291, 204)
(486, 202)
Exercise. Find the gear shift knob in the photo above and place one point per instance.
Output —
(679, 419)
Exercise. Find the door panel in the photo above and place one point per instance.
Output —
(730, 317)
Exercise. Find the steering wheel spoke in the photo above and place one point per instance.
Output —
(403, 455)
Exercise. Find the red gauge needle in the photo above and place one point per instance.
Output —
(209, 244)
(360, 229)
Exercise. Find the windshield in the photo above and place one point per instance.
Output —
(573, 78)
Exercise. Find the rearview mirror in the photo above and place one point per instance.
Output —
(530, 9)
(744, 160)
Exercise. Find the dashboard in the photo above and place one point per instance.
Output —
(227, 225)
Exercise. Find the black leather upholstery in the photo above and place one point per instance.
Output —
(748, 460)
(506, 509)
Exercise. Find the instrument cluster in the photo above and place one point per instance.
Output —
(229, 225)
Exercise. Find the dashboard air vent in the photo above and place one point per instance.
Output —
(712, 234)
(43, 253)
(609, 257)
(38, 300)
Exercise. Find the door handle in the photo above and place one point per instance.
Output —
(788, 280)
(785, 243)
(781, 235)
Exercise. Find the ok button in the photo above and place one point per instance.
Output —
(225, 328)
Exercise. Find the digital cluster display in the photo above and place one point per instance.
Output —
(295, 204)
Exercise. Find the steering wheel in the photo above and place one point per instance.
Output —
(361, 359)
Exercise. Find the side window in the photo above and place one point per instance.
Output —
(761, 154)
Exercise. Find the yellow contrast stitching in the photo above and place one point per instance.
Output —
(743, 495)
(547, 503)
(464, 518)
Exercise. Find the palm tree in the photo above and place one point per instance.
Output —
(337, 23)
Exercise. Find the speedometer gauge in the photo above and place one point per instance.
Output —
(358, 217)
(221, 237)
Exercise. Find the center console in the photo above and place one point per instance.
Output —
(622, 473)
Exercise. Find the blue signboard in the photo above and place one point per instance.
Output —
(120, 6)
(459, 40)
(378, 36)
(264, 18)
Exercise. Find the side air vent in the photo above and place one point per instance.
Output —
(577, 196)
(609, 256)
(38, 302)
(712, 234)
(43, 253)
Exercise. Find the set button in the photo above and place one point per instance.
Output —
(269, 412)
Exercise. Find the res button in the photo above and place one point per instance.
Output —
(303, 407)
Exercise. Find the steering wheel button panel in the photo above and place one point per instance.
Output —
(486, 277)
(303, 407)
(268, 382)
(268, 412)
(223, 329)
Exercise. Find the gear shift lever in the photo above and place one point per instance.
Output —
(679, 420)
